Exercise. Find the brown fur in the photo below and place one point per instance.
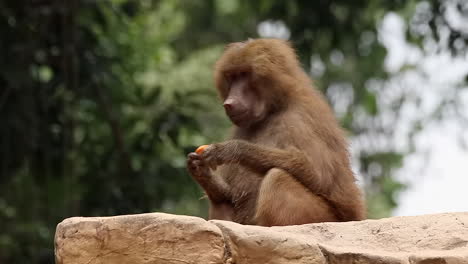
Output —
(290, 167)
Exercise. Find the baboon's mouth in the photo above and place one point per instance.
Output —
(238, 119)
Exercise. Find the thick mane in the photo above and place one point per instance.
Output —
(271, 61)
(277, 69)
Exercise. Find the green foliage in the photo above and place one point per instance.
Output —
(379, 167)
(87, 130)
(102, 100)
(380, 203)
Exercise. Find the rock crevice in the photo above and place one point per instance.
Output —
(227, 256)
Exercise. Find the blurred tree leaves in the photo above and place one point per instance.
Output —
(102, 100)
(86, 130)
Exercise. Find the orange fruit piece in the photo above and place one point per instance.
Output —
(201, 148)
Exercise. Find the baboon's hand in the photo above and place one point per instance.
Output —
(220, 153)
(197, 167)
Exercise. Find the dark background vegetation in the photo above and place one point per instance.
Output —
(100, 101)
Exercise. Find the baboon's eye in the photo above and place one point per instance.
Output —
(234, 76)
(242, 74)
(228, 77)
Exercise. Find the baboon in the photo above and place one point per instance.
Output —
(287, 162)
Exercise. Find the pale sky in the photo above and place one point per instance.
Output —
(437, 173)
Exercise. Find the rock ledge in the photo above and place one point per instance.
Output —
(163, 238)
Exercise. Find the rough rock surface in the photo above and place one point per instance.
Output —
(145, 238)
(163, 238)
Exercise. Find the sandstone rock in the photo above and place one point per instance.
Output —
(145, 238)
(441, 238)
(162, 238)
